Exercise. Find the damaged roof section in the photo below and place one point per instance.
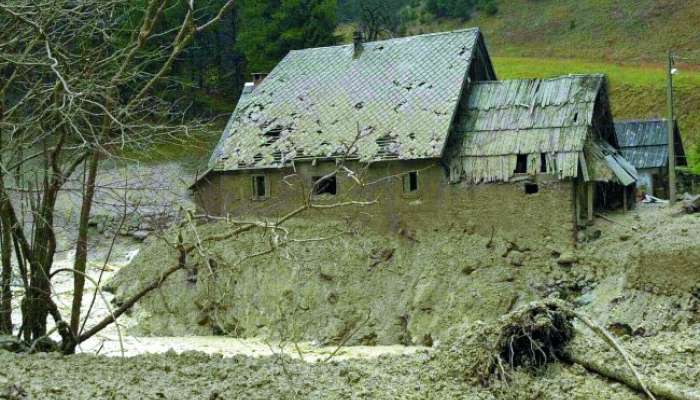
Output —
(549, 121)
(644, 143)
(401, 95)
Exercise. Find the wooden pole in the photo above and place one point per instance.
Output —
(671, 136)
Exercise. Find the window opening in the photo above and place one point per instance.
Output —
(410, 182)
(327, 186)
(521, 164)
(543, 163)
(259, 187)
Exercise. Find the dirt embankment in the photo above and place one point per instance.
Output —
(638, 271)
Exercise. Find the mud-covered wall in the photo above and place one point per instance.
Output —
(487, 209)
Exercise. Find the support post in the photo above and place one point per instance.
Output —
(590, 188)
(624, 199)
(671, 136)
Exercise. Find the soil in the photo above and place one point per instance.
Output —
(636, 274)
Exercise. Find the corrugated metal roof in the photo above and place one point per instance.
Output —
(644, 143)
(552, 117)
(401, 94)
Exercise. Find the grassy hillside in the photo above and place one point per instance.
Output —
(610, 30)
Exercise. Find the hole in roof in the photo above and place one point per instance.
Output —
(359, 106)
(576, 117)
(412, 135)
(463, 50)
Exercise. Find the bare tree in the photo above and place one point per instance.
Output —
(81, 81)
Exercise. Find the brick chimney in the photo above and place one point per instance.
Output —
(357, 44)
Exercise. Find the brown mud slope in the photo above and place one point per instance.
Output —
(639, 274)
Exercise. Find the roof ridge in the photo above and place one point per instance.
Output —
(394, 39)
(553, 78)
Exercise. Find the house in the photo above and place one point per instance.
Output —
(644, 143)
(422, 125)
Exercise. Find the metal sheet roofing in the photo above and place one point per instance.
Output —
(548, 120)
(395, 100)
(644, 143)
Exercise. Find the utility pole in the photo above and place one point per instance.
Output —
(671, 135)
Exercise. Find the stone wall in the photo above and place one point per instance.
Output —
(505, 210)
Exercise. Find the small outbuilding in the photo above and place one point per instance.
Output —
(644, 143)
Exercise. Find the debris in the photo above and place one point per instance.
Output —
(691, 203)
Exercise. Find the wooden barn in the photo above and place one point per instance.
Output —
(644, 143)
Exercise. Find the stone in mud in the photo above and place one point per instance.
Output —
(140, 235)
(516, 258)
(567, 258)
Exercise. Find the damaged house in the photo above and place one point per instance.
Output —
(644, 143)
(421, 125)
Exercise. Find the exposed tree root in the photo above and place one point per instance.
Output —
(535, 335)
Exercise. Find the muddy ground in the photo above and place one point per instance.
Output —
(637, 274)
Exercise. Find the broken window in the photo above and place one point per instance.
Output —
(326, 186)
(410, 182)
(531, 188)
(543, 163)
(521, 164)
(259, 187)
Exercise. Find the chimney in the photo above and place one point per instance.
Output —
(357, 44)
(258, 77)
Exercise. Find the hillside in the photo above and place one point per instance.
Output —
(619, 30)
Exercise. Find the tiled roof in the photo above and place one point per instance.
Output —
(644, 143)
(400, 95)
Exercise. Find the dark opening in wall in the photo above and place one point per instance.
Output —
(410, 182)
(327, 186)
(531, 188)
(259, 187)
(543, 163)
(521, 164)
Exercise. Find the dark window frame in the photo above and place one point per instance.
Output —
(520, 164)
(410, 182)
(260, 181)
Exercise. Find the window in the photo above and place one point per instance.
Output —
(259, 187)
(531, 188)
(543, 163)
(327, 186)
(410, 182)
(521, 164)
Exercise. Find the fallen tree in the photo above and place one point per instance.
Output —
(535, 335)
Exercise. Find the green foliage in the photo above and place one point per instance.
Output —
(461, 9)
(269, 29)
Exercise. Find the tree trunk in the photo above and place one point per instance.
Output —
(6, 275)
(81, 245)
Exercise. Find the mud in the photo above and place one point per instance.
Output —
(199, 376)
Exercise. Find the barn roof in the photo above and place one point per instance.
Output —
(395, 100)
(545, 119)
(645, 142)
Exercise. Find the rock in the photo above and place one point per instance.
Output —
(516, 258)
(620, 329)
(567, 258)
(140, 235)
